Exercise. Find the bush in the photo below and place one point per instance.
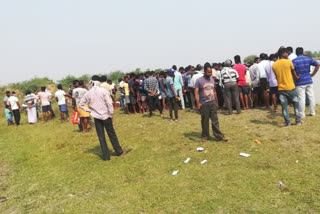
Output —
(249, 59)
(32, 84)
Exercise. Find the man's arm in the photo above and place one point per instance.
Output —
(174, 93)
(108, 102)
(196, 95)
(18, 104)
(216, 97)
(294, 73)
(315, 70)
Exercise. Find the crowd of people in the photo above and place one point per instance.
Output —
(282, 77)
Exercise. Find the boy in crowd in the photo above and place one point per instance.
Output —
(8, 115)
(284, 70)
(60, 96)
(6, 98)
(205, 97)
(15, 107)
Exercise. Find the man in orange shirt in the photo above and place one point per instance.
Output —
(284, 70)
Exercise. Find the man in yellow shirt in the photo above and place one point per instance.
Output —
(125, 86)
(284, 70)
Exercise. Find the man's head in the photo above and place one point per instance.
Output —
(109, 82)
(43, 88)
(264, 56)
(125, 79)
(283, 53)
(181, 69)
(81, 84)
(133, 76)
(237, 59)
(147, 74)
(227, 63)
(215, 66)
(28, 92)
(174, 67)
(59, 86)
(289, 50)
(207, 70)
(273, 57)
(256, 60)
(103, 78)
(299, 51)
(161, 75)
(75, 83)
(191, 68)
(171, 72)
(95, 78)
(13, 93)
(8, 93)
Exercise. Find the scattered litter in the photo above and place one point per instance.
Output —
(175, 172)
(70, 195)
(140, 126)
(297, 161)
(257, 142)
(204, 161)
(200, 149)
(187, 160)
(244, 155)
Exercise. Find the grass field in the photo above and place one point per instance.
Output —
(52, 168)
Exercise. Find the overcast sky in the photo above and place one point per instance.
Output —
(54, 38)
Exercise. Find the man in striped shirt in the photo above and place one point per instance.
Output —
(101, 108)
(152, 87)
(229, 79)
(304, 84)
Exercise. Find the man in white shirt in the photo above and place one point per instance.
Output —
(6, 98)
(77, 94)
(261, 70)
(45, 103)
(291, 54)
(15, 107)
(60, 96)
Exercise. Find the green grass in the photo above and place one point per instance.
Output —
(51, 168)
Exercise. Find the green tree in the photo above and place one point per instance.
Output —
(249, 59)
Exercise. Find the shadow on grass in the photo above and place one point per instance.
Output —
(263, 122)
(97, 151)
(194, 136)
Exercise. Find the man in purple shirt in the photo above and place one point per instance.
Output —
(272, 80)
(101, 109)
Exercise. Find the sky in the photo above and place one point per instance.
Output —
(56, 38)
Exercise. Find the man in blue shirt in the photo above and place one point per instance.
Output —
(304, 83)
(178, 84)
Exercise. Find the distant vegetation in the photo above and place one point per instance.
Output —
(313, 54)
(31, 85)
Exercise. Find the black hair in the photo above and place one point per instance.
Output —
(281, 51)
(237, 59)
(119, 80)
(81, 83)
(103, 78)
(59, 86)
(132, 75)
(272, 56)
(28, 92)
(147, 73)
(181, 69)
(214, 64)
(174, 67)
(7, 92)
(206, 66)
(263, 56)
(109, 80)
(7, 106)
(299, 51)
(290, 49)
(75, 82)
(152, 72)
(43, 88)
(256, 59)
(95, 78)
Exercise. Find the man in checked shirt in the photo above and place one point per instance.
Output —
(101, 108)
(152, 87)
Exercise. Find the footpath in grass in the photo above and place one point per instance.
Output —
(52, 168)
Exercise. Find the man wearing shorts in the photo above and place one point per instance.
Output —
(45, 97)
(62, 102)
(272, 80)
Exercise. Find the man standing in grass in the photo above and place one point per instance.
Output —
(101, 108)
(61, 99)
(172, 96)
(242, 83)
(6, 98)
(272, 80)
(178, 84)
(205, 96)
(15, 107)
(78, 93)
(133, 92)
(284, 70)
(304, 84)
(152, 87)
(45, 97)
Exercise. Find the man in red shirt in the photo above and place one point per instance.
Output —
(242, 83)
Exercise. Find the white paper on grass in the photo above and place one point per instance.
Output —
(204, 161)
(245, 155)
(187, 160)
(200, 149)
(175, 172)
